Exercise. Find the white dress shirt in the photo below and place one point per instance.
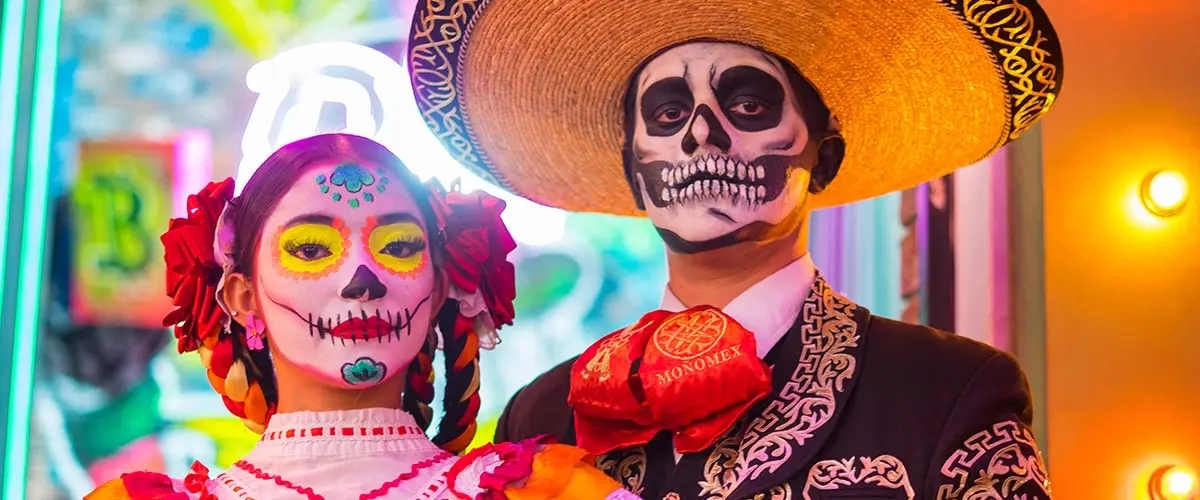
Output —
(768, 308)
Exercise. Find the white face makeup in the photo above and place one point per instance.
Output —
(717, 142)
(344, 278)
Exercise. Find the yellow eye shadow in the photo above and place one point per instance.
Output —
(377, 238)
(327, 244)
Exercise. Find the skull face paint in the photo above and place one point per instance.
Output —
(717, 145)
(343, 276)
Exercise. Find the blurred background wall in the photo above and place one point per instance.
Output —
(1122, 294)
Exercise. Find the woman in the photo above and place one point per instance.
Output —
(316, 300)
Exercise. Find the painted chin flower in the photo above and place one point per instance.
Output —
(363, 371)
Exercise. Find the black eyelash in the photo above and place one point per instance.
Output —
(417, 243)
(291, 246)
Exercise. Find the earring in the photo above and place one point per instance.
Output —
(255, 332)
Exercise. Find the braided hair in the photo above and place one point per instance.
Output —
(245, 378)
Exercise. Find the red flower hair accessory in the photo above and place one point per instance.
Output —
(482, 279)
(193, 272)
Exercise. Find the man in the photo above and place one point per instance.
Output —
(733, 119)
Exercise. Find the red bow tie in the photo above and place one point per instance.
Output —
(691, 373)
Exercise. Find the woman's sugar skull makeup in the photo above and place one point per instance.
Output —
(717, 144)
(344, 277)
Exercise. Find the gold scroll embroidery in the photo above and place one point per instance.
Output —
(433, 64)
(628, 467)
(884, 471)
(995, 464)
(805, 403)
(1022, 60)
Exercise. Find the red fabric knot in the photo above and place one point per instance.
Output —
(192, 270)
(677, 355)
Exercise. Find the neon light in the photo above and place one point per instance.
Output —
(10, 76)
(33, 249)
(193, 167)
(293, 88)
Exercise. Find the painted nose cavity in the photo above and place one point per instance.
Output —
(364, 286)
(705, 129)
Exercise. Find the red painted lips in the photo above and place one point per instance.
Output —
(358, 328)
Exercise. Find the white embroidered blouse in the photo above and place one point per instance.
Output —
(373, 453)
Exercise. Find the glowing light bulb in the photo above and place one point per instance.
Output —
(1179, 483)
(1165, 193)
(1173, 482)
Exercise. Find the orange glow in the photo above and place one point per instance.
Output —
(1165, 193)
(1120, 287)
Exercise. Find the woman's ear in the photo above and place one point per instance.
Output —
(238, 295)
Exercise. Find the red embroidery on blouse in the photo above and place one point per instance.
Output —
(312, 495)
(393, 430)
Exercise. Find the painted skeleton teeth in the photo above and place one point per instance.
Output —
(741, 171)
(762, 172)
(742, 191)
(666, 195)
(762, 191)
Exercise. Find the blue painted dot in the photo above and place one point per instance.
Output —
(324, 189)
(337, 196)
(368, 197)
(353, 203)
(382, 188)
(321, 179)
(384, 180)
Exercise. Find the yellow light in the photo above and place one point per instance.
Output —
(1173, 482)
(1165, 193)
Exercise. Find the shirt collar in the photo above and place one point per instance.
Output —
(769, 307)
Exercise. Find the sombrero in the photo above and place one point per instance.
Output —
(528, 93)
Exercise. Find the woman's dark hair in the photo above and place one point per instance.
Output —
(258, 200)
(812, 108)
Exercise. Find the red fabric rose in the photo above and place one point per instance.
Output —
(192, 270)
(477, 248)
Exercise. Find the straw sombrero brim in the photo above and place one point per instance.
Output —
(528, 94)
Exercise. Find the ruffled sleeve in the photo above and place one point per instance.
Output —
(531, 470)
(156, 486)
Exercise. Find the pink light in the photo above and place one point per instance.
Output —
(192, 168)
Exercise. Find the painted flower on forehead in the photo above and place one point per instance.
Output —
(352, 177)
(350, 181)
(193, 273)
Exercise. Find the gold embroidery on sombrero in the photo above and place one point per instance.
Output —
(1001, 462)
(433, 64)
(884, 471)
(1017, 43)
(628, 467)
(805, 404)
